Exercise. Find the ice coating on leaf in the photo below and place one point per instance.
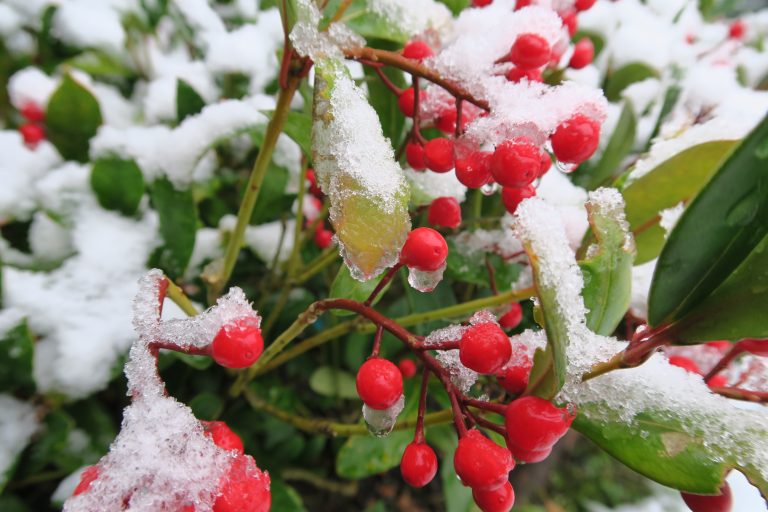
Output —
(381, 422)
(425, 280)
(609, 203)
(413, 16)
(310, 42)
(161, 459)
(355, 167)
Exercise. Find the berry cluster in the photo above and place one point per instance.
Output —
(32, 130)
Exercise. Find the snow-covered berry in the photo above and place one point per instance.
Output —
(238, 344)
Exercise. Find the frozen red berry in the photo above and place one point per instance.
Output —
(522, 3)
(444, 212)
(222, 436)
(323, 237)
(238, 344)
(474, 171)
(754, 346)
(438, 155)
(530, 51)
(314, 188)
(721, 345)
(718, 381)
(500, 499)
(702, 503)
(576, 139)
(513, 377)
(512, 318)
(737, 29)
(32, 134)
(417, 50)
(245, 487)
(570, 22)
(516, 74)
(685, 363)
(424, 249)
(87, 477)
(583, 5)
(513, 196)
(419, 464)
(379, 383)
(446, 121)
(407, 103)
(546, 163)
(583, 53)
(515, 163)
(484, 348)
(480, 463)
(535, 424)
(481, 3)
(407, 367)
(414, 155)
(32, 112)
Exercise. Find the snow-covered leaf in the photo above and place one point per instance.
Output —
(619, 79)
(188, 100)
(118, 184)
(72, 118)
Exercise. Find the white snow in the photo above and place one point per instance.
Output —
(18, 424)
(89, 24)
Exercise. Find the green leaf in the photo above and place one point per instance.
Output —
(17, 348)
(273, 202)
(207, 406)
(188, 101)
(369, 199)
(676, 179)
(178, 225)
(607, 270)
(385, 101)
(196, 362)
(716, 233)
(360, 18)
(670, 100)
(118, 184)
(470, 268)
(619, 145)
(626, 75)
(736, 309)
(285, 498)
(329, 381)
(456, 6)
(364, 456)
(52, 442)
(99, 64)
(298, 126)
(345, 286)
(71, 119)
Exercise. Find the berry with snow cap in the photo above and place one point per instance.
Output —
(238, 344)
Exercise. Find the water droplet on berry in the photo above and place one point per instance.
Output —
(381, 422)
(565, 167)
(488, 189)
(425, 280)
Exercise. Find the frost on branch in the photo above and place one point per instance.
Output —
(161, 459)
(355, 167)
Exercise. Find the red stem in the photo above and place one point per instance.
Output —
(387, 82)
(377, 341)
(384, 281)
(732, 354)
(444, 345)
(491, 275)
(459, 125)
(742, 394)
(488, 406)
(418, 436)
(416, 128)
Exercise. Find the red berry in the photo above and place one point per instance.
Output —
(238, 344)
(517, 74)
(685, 363)
(535, 424)
(513, 196)
(570, 22)
(500, 499)
(737, 29)
(756, 347)
(406, 101)
(701, 503)
(481, 3)
(323, 237)
(444, 212)
(530, 51)
(484, 348)
(32, 134)
(419, 464)
(417, 50)
(245, 487)
(446, 121)
(475, 170)
(512, 318)
(407, 367)
(530, 456)
(718, 381)
(514, 376)
(522, 3)
(379, 383)
(32, 112)
(87, 477)
(721, 345)
(424, 249)
(515, 163)
(583, 5)
(438, 155)
(546, 163)
(414, 155)
(583, 53)
(576, 139)
(481, 463)
(314, 188)
(222, 436)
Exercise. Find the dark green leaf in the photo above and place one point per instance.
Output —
(456, 6)
(207, 406)
(99, 64)
(118, 184)
(607, 271)
(329, 381)
(273, 202)
(465, 267)
(178, 224)
(716, 233)
(17, 348)
(71, 119)
(369, 24)
(285, 498)
(188, 101)
(345, 286)
(619, 79)
(670, 100)
(52, 442)
(196, 362)
(677, 179)
(364, 456)
(298, 126)
(619, 145)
